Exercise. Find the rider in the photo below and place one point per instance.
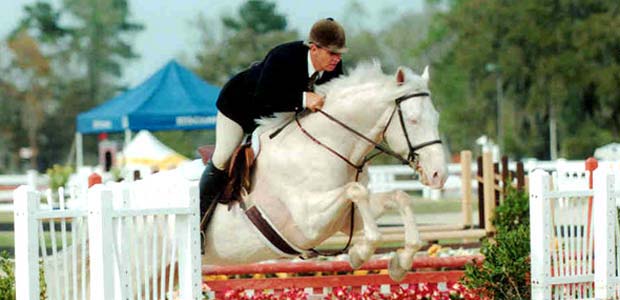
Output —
(282, 82)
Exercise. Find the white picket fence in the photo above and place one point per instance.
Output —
(574, 235)
(126, 241)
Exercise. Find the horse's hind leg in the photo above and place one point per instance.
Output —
(402, 259)
(363, 249)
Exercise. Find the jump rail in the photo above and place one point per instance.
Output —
(429, 270)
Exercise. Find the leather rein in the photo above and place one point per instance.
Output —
(412, 158)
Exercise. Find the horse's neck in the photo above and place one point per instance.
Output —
(368, 117)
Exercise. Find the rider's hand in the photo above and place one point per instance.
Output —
(314, 101)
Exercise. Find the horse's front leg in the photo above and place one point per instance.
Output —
(402, 259)
(364, 248)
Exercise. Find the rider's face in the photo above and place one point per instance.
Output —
(323, 59)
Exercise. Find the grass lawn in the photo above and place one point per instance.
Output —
(425, 206)
(6, 217)
(6, 239)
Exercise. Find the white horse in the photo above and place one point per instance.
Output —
(304, 181)
(302, 189)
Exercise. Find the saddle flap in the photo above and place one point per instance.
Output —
(239, 173)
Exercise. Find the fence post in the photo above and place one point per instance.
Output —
(520, 176)
(466, 188)
(31, 178)
(100, 245)
(122, 281)
(26, 202)
(540, 235)
(604, 235)
(488, 178)
(190, 264)
(479, 174)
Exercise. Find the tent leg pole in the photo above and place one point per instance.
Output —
(127, 137)
(79, 155)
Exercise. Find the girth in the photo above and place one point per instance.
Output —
(256, 217)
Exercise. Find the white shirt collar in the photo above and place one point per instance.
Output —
(311, 69)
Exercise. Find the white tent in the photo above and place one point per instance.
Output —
(145, 153)
(608, 152)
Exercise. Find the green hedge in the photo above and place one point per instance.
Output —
(505, 272)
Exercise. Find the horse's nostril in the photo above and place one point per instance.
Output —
(435, 175)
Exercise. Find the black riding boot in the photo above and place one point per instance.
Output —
(212, 184)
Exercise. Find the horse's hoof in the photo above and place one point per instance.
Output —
(354, 259)
(396, 272)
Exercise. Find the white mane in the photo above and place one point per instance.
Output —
(366, 78)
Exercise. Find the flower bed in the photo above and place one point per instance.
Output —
(419, 292)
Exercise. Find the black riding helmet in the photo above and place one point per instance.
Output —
(328, 34)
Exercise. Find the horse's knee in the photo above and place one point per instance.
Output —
(402, 198)
(355, 191)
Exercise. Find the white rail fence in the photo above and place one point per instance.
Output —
(9, 182)
(119, 241)
(382, 178)
(574, 234)
(399, 177)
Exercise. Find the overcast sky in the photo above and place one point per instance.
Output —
(169, 34)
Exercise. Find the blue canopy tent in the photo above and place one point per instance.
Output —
(173, 98)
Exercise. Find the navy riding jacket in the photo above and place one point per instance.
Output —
(274, 84)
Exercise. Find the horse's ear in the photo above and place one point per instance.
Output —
(400, 76)
(425, 74)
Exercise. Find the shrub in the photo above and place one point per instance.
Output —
(59, 176)
(514, 212)
(7, 277)
(505, 272)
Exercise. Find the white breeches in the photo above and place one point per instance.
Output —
(228, 136)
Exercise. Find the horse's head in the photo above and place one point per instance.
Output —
(413, 131)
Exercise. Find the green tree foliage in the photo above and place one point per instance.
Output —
(42, 17)
(396, 44)
(11, 130)
(84, 56)
(26, 86)
(104, 40)
(258, 16)
(557, 60)
(257, 28)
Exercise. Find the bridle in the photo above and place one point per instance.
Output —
(412, 157)
(411, 160)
